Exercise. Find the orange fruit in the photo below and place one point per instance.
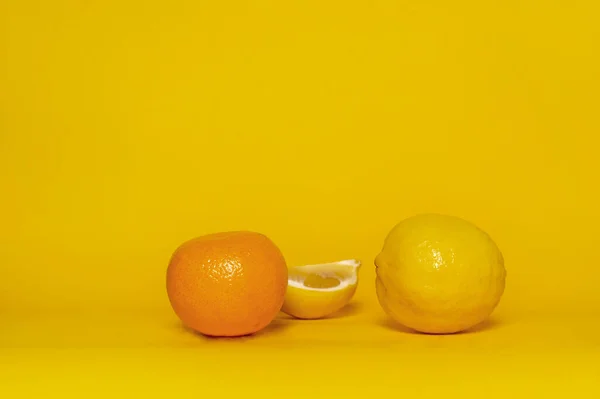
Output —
(227, 284)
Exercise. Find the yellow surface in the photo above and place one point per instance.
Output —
(127, 127)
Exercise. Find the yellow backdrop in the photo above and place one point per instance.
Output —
(127, 127)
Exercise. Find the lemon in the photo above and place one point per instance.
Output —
(439, 274)
(319, 290)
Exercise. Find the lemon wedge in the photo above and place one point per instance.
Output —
(319, 290)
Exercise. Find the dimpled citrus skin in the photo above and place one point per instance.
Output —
(227, 284)
(439, 274)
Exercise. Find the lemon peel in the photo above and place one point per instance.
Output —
(318, 290)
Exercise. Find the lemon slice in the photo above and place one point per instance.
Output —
(316, 291)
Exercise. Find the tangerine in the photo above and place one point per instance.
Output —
(228, 283)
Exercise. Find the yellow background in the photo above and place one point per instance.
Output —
(127, 127)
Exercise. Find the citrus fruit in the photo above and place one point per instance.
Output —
(439, 274)
(227, 284)
(319, 290)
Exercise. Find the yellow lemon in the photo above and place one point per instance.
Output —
(439, 274)
(319, 290)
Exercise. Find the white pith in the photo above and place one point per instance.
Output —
(321, 270)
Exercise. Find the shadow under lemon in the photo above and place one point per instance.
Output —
(488, 324)
(351, 309)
